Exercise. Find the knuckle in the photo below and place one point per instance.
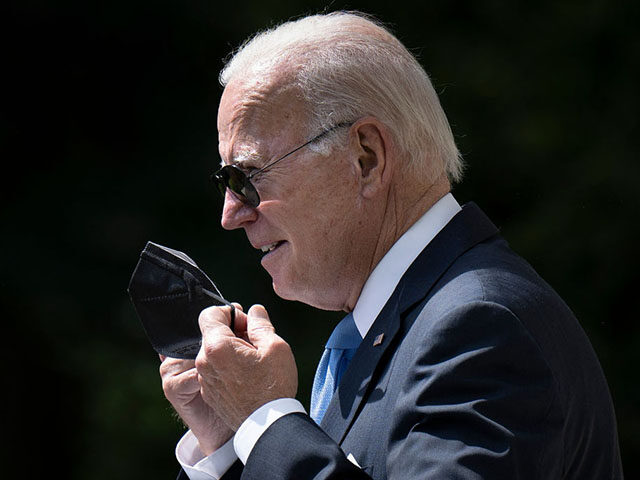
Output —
(165, 368)
(168, 387)
(201, 361)
(279, 347)
(204, 315)
(279, 343)
(210, 313)
(211, 348)
(211, 353)
(264, 329)
(214, 357)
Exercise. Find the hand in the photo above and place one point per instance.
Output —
(181, 387)
(239, 375)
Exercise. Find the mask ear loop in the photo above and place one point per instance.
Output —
(224, 302)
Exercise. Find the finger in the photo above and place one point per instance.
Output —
(188, 381)
(238, 329)
(175, 366)
(182, 387)
(238, 306)
(241, 324)
(259, 327)
(215, 321)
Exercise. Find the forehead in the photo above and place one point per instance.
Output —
(254, 119)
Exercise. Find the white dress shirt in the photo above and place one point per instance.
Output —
(376, 292)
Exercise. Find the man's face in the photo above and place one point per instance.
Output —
(307, 221)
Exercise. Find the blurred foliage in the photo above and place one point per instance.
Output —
(108, 133)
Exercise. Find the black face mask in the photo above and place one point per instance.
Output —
(169, 291)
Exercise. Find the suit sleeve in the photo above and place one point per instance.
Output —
(476, 401)
(294, 447)
(479, 402)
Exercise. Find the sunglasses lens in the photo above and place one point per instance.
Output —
(234, 179)
(219, 179)
(220, 183)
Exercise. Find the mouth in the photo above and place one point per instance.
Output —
(271, 247)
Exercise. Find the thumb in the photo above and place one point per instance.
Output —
(259, 327)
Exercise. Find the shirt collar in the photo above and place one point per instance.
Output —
(387, 274)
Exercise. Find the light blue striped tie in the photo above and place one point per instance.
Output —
(339, 351)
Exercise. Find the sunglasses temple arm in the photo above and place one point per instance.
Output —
(224, 302)
(293, 151)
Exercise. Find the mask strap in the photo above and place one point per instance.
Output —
(225, 302)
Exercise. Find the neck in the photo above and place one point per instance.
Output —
(402, 207)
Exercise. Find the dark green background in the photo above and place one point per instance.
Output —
(108, 135)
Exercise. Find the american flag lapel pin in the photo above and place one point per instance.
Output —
(378, 340)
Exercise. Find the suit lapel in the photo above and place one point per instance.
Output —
(468, 228)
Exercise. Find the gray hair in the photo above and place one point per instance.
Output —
(346, 66)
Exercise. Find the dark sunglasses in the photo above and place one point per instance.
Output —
(239, 183)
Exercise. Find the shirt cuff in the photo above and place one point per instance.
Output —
(199, 467)
(258, 422)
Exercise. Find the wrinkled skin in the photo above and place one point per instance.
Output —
(239, 375)
(233, 375)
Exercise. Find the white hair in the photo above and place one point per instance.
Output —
(346, 66)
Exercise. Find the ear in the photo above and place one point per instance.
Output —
(372, 164)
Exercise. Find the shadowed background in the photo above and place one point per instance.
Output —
(108, 134)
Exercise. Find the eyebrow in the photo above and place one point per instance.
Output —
(241, 158)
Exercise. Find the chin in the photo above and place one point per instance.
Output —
(281, 292)
(288, 291)
(307, 295)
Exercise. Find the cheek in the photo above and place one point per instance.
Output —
(323, 246)
(318, 212)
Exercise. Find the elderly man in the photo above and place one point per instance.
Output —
(455, 360)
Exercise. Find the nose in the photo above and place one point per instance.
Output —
(235, 213)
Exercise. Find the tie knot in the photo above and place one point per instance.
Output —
(345, 335)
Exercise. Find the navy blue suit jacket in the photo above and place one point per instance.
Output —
(483, 373)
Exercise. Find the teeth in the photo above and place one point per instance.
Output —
(268, 248)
